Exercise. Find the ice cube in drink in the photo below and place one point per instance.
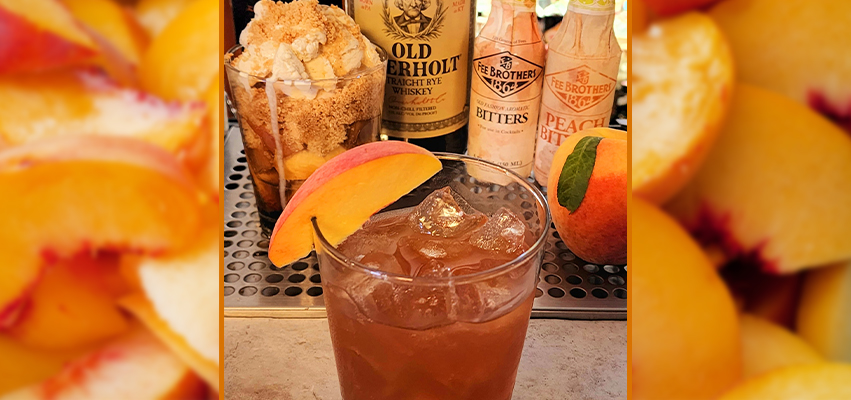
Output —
(423, 326)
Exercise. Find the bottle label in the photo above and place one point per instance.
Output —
(573, 100)
(592, 7)
(580, 88)
(428, 45)
(504, 109)
(506, 74)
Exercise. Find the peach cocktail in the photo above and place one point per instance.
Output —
(431, 297)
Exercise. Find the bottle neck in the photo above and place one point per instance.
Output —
(517, 6)
(512, 20)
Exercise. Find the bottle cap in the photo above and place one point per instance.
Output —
(593, 7)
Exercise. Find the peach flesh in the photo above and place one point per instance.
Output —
(78, 170)
(761, 167)
(712, 231)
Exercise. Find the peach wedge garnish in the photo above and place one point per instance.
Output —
(344, 192)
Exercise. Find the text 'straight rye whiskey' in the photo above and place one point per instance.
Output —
(429, 44)
(579, 80)
(508, 67)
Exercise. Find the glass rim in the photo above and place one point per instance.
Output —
(382, 54)
(476, 277)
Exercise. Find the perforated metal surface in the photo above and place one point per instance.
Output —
(568, 286)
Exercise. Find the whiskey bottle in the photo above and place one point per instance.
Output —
(428, 44)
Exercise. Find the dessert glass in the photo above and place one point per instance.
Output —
(398, 337)
(316, 120)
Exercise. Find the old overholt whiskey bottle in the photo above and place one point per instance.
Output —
(428, 44)
(508, 66)
(579, 79)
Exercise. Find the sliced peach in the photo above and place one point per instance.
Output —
(813, 55)
(68, 309)
(22, 366)
(40, 35)
(638, 13)
(300, 165)
(114, 23)
(211, 175)
(767, 346)
(137, 366)
(685, 338)
(182, 60)
(144, 311)
(823, 314)
(190, 314)
(89, 103)
(682, 80)
(773, 191)
(75, 194)
(155, 15)
(670, 7)
(815, 381)
(117, 33)
(344, 192)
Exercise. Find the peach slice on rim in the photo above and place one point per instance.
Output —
(344, 192)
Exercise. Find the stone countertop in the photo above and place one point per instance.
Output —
(292, 359)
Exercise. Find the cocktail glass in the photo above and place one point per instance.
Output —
(399, 337)
(316, 120)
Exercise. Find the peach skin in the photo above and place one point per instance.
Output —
(773, 191)
(685, 338)
(682, 81)
(344, 192)
(39, 35)
(670, 7)
(596, 230)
